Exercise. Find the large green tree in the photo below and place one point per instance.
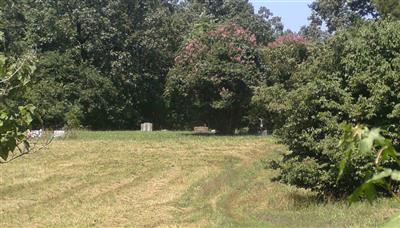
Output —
(339, 13)
(263, 24)
(336, 14)
(211, 82)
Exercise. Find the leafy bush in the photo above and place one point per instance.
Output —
(213, 76)
(352, 78)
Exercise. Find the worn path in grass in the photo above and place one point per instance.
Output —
(112, 179)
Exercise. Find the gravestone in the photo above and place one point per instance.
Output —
(35, 134)
(201, 130)
(146, 127)
(58, 134)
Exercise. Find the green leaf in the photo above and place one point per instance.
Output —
(370, 192)
(343, 163)
(395, 175)
(342, 167)
(366, 190)
(381, 175)
(367, 143)
(357, 194)
(30, 108)
(2, 63)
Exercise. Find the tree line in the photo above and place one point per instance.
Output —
(104, 64)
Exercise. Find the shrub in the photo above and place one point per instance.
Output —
(353, 78)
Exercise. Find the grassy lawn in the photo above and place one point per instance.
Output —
(114, 179)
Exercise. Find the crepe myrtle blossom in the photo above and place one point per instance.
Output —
(188, 50)
(190, 46)
(293, 38)
(237, 59)
(253, 38)
(237, 38)
(232, 30)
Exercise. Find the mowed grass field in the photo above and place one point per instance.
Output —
(169, 179)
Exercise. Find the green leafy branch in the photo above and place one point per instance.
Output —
(14, 123)
(363, 140)
(13, 127)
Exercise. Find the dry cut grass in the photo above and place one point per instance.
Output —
(113, 179)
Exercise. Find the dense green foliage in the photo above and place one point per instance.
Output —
(281, 59)
(354, 78)
(72, 89)
(121, 47)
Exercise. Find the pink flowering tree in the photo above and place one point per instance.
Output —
(211, 82)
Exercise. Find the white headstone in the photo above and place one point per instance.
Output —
(35, 134)
(146, 127)
(58, 134)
